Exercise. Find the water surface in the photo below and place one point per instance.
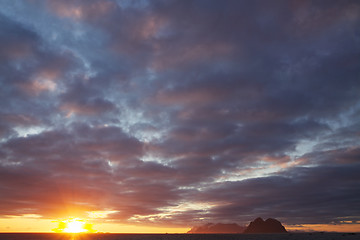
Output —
(97, 236)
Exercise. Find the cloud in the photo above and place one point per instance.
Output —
(66, 161)
(93, 107)
(17, 41)
(81, 9)
(179, 112)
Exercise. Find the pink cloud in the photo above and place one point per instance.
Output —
(16, 50)
(178, 56)
(80, 10)
(43, 80)
(19, 119)
(94, 107)
(199, 96)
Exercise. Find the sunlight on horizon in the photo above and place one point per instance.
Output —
(37, 224)
(74, 225)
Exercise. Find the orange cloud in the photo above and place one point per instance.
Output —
(324, 227)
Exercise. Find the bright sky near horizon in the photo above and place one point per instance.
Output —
(155, 116)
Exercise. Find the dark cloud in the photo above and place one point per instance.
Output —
(301, 195)
(179, 112)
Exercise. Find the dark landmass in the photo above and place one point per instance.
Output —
(269, 226)
(218, 228)
(257, 226)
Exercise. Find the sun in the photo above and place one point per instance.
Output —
(73, 225)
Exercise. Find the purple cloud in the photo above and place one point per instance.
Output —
(179, 112)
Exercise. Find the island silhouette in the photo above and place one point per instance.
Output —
(271, 225)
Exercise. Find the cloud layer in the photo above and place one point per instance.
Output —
(180, 112)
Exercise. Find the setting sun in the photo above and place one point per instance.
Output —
(74, 225)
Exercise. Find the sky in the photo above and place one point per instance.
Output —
(156, 116)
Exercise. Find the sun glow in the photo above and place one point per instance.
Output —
(74, 225)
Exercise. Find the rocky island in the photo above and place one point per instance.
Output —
(271, 225)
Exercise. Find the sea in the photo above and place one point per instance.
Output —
(108, 236)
